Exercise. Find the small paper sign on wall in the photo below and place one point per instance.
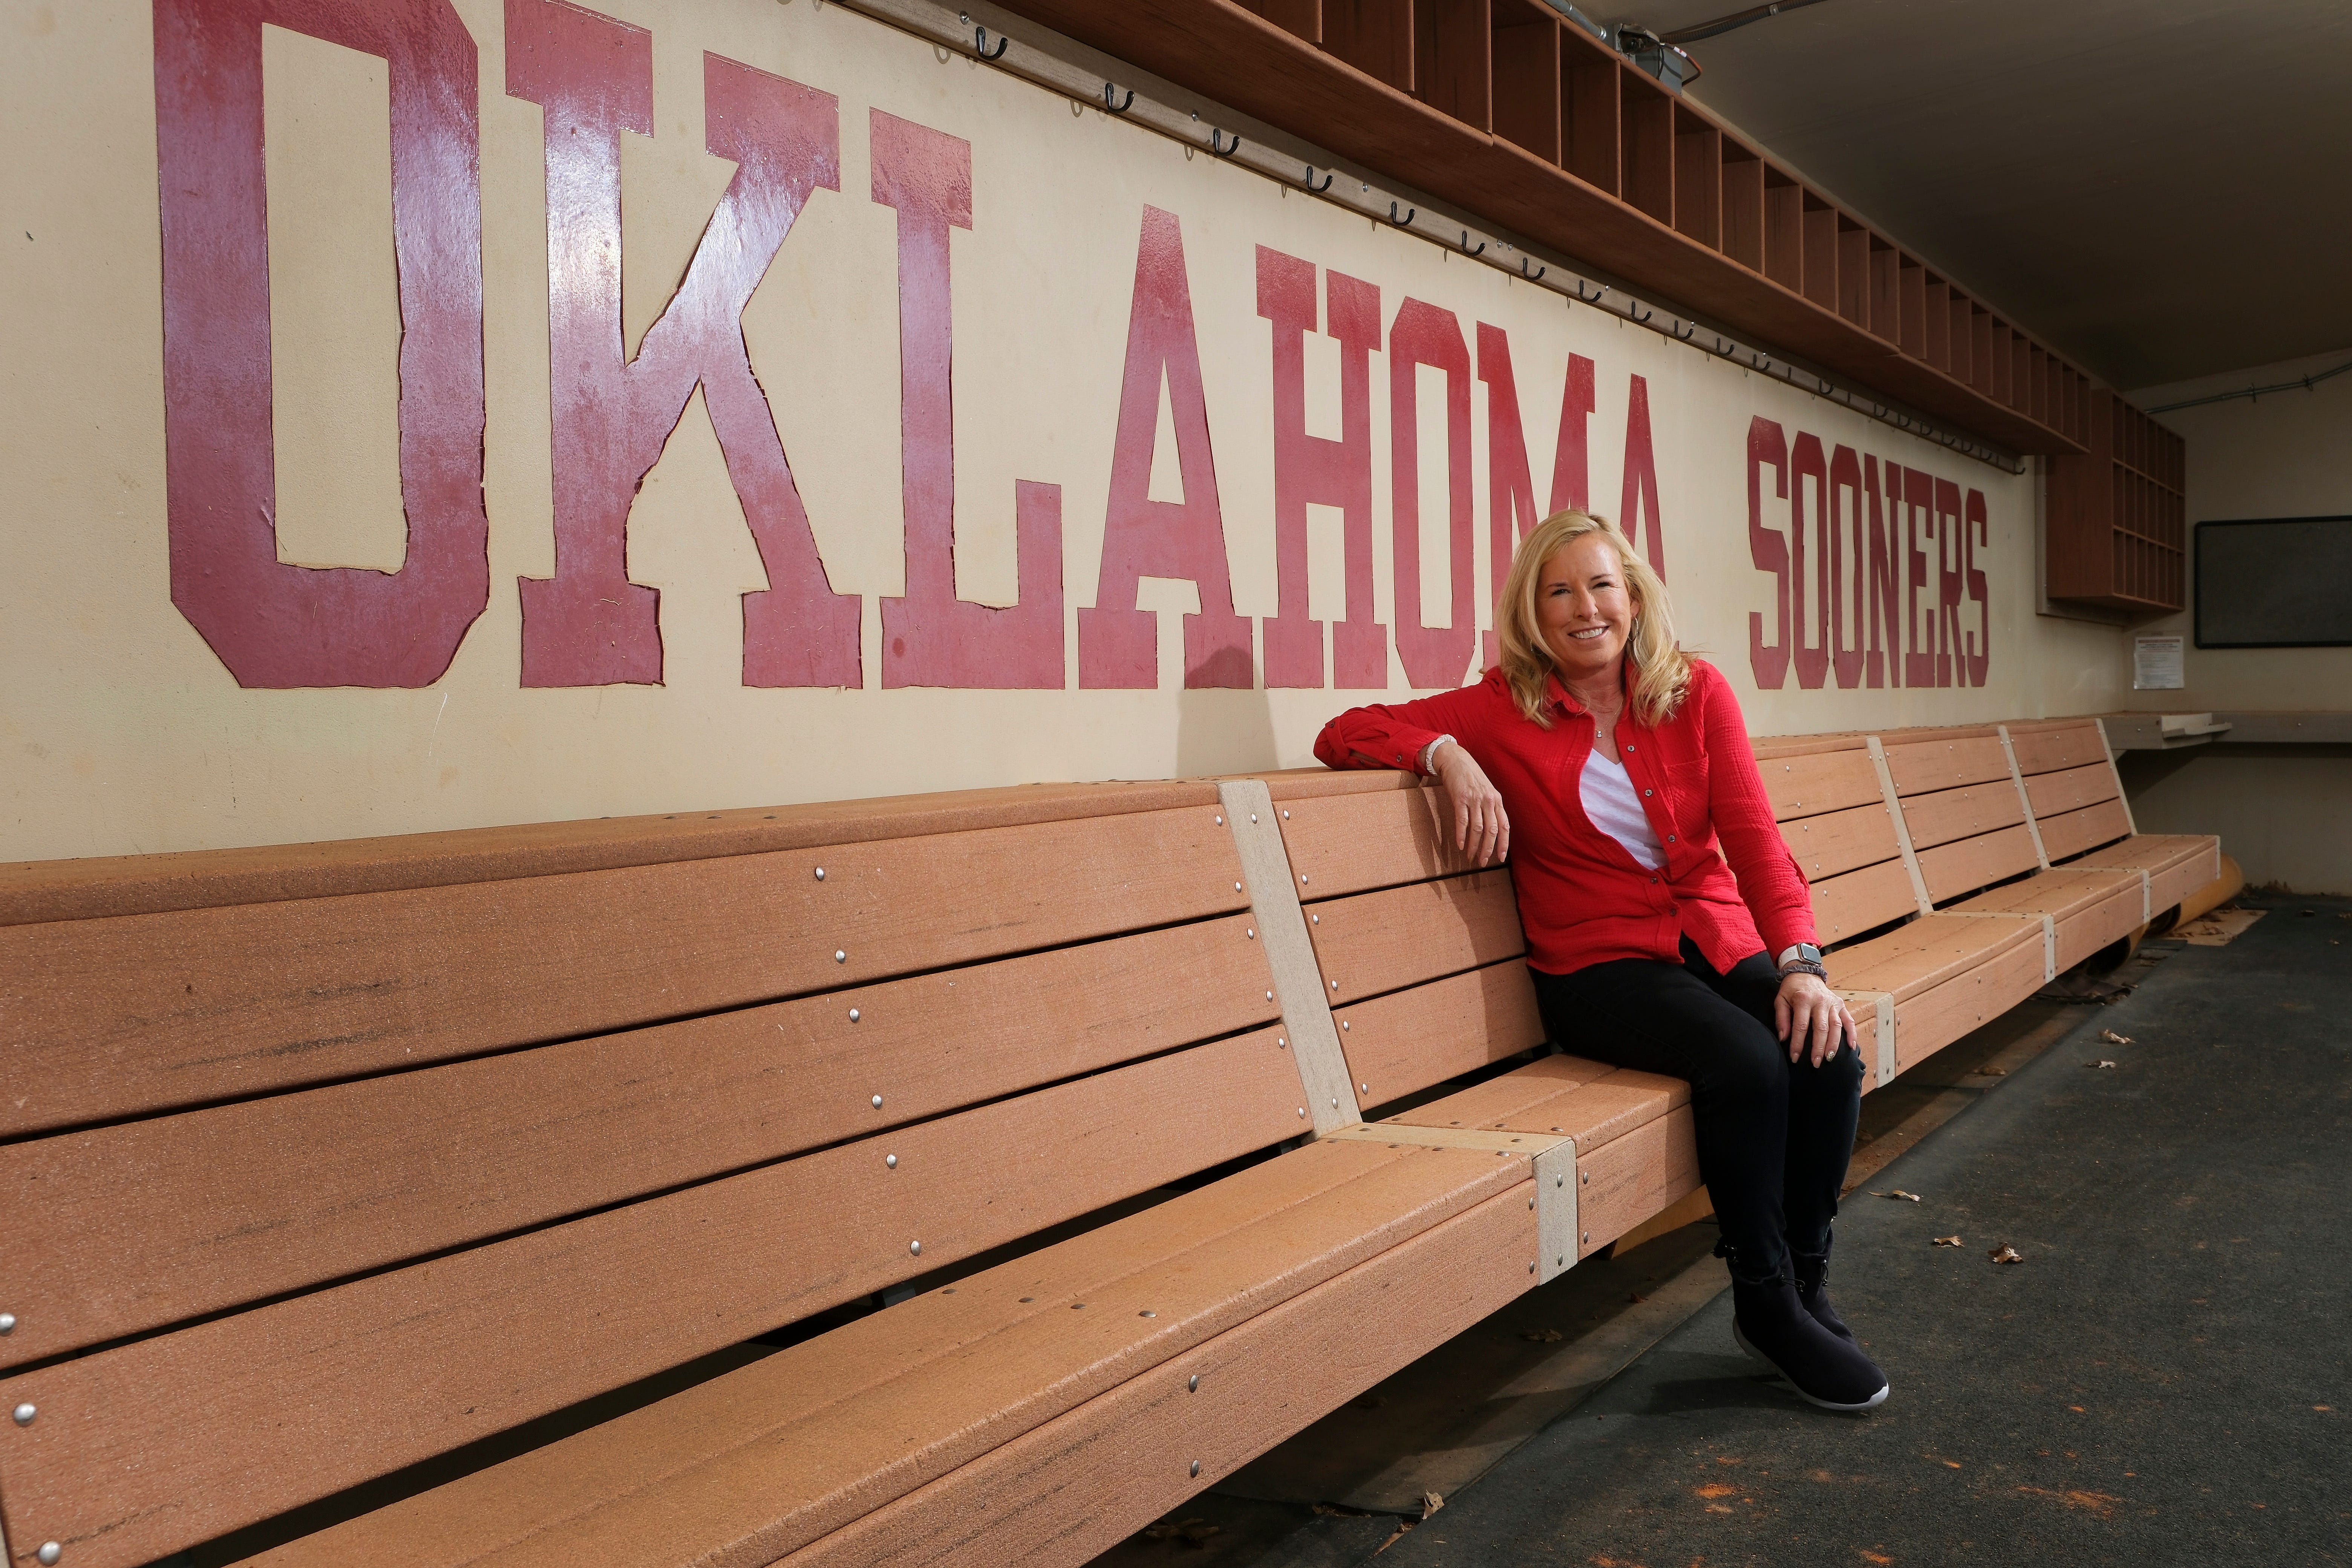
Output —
(2158, 663)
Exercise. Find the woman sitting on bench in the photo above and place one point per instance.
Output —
(1620, 765)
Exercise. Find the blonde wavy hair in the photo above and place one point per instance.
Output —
(1662, 671)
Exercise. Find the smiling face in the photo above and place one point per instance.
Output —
(1585, 609)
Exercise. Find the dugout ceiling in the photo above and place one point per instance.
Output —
(2154, 186)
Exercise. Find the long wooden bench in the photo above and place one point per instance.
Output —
(440, 1200)
(322, 1164)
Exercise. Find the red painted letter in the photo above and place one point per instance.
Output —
(1919, 661)
(1768, 445)
(1145, 537)
(589, 625)
(1807, 461)
(1973, 531)
(1318, 470)
(1432, 656)
(272, 623)
(1884, 592)
(1845, 593)
(1950, 662)
(1642, 479)
(930, 638)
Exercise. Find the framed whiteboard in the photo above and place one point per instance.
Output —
(2274, 581)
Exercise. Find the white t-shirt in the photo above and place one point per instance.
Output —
(1615, 809)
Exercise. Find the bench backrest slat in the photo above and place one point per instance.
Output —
(238, 1203)
(1840, 841)
(1965, 865)
(1406, 1040)
(1845, 907)
(2071, 789)
(2070, 781)
(2050, 747)
(1808, 782)
(32, 891)
(1371, 942)
(181, 1436)
(1363, 838)
(113, 1017)
(2074, 832)
(1944, 760)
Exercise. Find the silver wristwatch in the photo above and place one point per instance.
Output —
(1802, 958)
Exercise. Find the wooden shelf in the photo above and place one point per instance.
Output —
(2117, 532)
(1596, 159)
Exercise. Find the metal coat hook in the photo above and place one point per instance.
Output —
(1327, 178)
(1117, 108)
(1689, 328)
(980, 44)
(1224, 151)
(1593, 298)
(1643, 319)
(1763, 362)
(1465, 245)
(1405, 222)
(1724, 349)
(1535, 276)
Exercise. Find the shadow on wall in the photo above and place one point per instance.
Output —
(2283, 812)
(1223, 730)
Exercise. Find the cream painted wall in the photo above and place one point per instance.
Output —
(2285, 812)
(122, 732)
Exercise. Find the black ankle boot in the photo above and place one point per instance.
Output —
(1813, 1269)
(1773, 1326)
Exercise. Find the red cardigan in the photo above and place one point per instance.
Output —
(1582, 899)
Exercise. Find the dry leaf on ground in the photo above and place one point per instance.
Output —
(2115, 1039)
(2006, 1255)
(1430, 1503)
(2102, 1062)
(1898, 1193)
(1949, 1241)
(1542, 1336)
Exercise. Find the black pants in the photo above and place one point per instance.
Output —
(1773, 1135)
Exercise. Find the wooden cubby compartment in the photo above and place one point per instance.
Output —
(1592, 119)
(1854, 271)
(2117, 530)
(1743, 204)
(1525, 50)
(1784, 229)
(1452, 66)
(1649, 134)
(1699, 179)
(1374, 35)
(1821, 252)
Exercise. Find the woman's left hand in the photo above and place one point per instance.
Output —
(1807, 1010)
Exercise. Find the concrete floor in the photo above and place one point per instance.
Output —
(2163, 1379)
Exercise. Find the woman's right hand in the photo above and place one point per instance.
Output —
(1482, 829)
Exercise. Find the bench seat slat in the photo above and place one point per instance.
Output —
(1929, 1020)
(1840, 841)
(1372, 943)
(1493, 1102)
(1040, 1500)
(117, 1017)
(2088, 909)
(1410, 1039)
(1928, 952)
(150, 1445)
(2176, 864)
(813, 1437)
(127, 1227)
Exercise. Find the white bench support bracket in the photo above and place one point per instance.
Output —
(1902, 829)
(1882, 1009)
(2024, 799)
(1290, 953)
